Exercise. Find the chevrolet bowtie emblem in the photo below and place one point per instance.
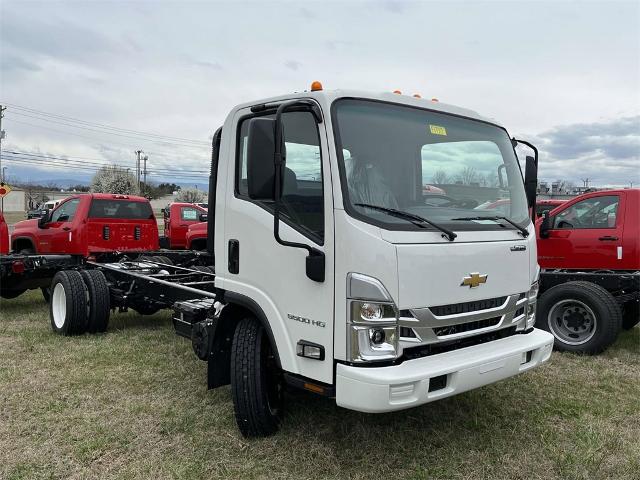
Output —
(473, 280)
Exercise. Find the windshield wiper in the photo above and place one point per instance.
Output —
(523, 231)
(415, 219)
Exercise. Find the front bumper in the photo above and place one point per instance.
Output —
(385, 389)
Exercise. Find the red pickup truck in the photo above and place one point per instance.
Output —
(90, 223)
(178, 217)
(589, 253)
(4, 236)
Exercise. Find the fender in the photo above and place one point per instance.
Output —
(21, 239)
(250, 305)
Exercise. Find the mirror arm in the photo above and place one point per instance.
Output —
(315, 260)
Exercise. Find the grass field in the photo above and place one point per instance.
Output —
(132, 403)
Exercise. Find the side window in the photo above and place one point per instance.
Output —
(66, 211)
(188, 214)
(302, 189)
(595, 212)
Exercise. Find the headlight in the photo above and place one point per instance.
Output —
(372, 328)
(532, 298)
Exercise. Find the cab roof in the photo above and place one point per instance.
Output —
(327, 97)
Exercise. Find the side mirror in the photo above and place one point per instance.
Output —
(545, 225)
(163, 211)
(203, 217)
(44, 219)
(531, 180)
(261, 168)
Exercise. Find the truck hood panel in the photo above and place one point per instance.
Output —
(432, 274)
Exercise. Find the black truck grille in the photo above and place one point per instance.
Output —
(466, 307)
(466, 327)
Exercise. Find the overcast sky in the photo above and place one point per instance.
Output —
(565, 75)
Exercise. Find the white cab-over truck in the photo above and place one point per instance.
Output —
(356, 257)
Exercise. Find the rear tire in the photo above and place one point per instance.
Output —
(46, 293)
(68, 306)
(582, 316)
(256, 383)
(99, 300)
(631, 316)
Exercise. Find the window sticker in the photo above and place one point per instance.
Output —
(437, 130)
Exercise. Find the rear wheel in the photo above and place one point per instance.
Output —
(46, 293)
(256, 381)
(631, 315)
(68, 307)
(582, 316)
(99, 300)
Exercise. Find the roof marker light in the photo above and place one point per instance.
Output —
(397, 92)
(316, 86)
(434, 99)
(417, 95)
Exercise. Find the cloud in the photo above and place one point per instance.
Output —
(607, 152)
(293, 65)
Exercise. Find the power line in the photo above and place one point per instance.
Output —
(100, 162)
(102, 125)
(200, 144)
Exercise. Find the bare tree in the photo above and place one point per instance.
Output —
(468, 176)
(440, 177)
(113, 179)
(190, 195)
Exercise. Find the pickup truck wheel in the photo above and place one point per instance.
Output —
(256, 382)
(582, 316)
(46, 293)
(68, 306)
(631, 315)
(99, 300)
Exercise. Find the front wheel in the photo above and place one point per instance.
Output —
(256, 381)
(582, 316)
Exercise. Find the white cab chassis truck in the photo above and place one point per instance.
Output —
(374, 248)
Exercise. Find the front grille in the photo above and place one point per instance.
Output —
(407, 332)
(466, 327)
(434, 349)
(467, 307)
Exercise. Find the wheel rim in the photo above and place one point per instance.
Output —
(59, 305)
(572, 322)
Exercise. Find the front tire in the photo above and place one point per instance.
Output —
(68, 306)
(582, 316)
(256, 382)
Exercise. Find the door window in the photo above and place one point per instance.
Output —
(302, 189)
(595, 212)
(66, 211)
(188, 214)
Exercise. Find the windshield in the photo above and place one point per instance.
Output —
(448, 169)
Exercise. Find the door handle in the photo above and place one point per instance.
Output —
(234, 256)
(608, 238)
(66, 229)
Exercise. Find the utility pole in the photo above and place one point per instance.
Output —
(138, 153)
(144, 171)
(2, 109)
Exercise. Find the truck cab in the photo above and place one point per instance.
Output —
(178, 217)
(589, 252)
(90, 223)
(336, 266)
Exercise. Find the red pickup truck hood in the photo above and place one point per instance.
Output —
(25, 225)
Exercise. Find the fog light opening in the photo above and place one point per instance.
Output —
(377, 336)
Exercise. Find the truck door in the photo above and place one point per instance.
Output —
(586, 234)
(187, 216)
(58, 236)
(270, 274)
